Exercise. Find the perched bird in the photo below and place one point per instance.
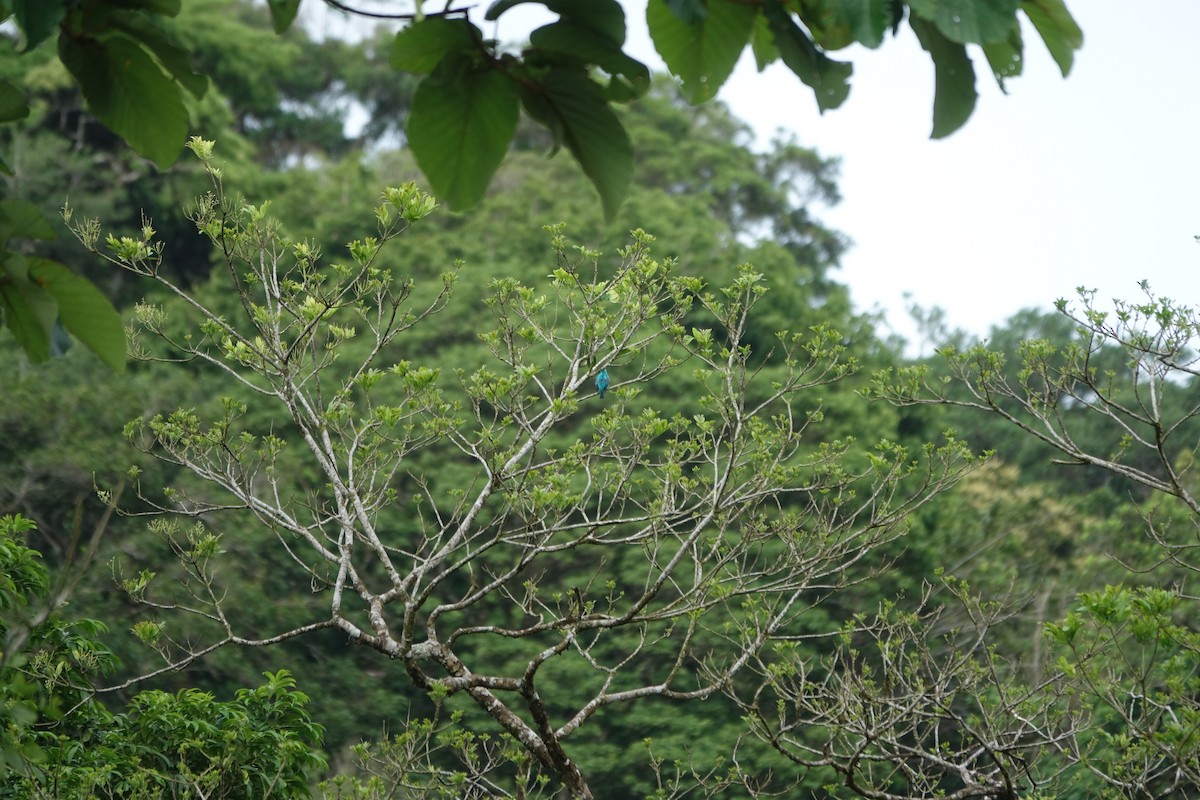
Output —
(602, 382)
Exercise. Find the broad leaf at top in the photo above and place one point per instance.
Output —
(1057, 28)
(37, 19)
(835, 24)
(166, 8)
(569, 41)
(762, 44)
(462, 120)
(21, 219)
(969, 21)
(283, 13)
(12, 103)
(83, 310)
(170, 53)
(1005, 57)
(606, 17)
(575, 110)
(954, 92)
(704, 52)
(129, 93)
(420, 47)
(688, 11)
(870, 19)
(28, 310)
(829, 79)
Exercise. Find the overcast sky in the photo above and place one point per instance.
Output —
(1092, 180)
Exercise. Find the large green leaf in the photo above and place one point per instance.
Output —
(607, 17)
(37, 19)
(835, 24)
(704, 52)
(171, 54)
(20, 219)
(1005, 57)
(130, 94)
(574, 108)
(969, 21)
(29, 310)
(12, 103)
(567, 40)
(954, 78)
(829, 79)
(462, 120)
(762, 44)
(868, 19)
(688, 11)
(166, 8)
(283, 13)
(420, 47)
(1057, 28)
(83, 310)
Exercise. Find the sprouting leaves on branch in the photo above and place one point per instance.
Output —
(1115, 396)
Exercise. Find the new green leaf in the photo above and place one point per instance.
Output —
(463, 118)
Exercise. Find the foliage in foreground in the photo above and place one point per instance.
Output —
(59, 741)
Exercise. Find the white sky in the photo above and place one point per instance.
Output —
(1092, 180)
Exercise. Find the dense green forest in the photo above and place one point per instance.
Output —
(354, 522)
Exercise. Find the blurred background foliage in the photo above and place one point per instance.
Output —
(320, 138)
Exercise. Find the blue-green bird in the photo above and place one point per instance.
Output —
(602, 382)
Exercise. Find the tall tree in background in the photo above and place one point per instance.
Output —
(647, 555)
(47, 411)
